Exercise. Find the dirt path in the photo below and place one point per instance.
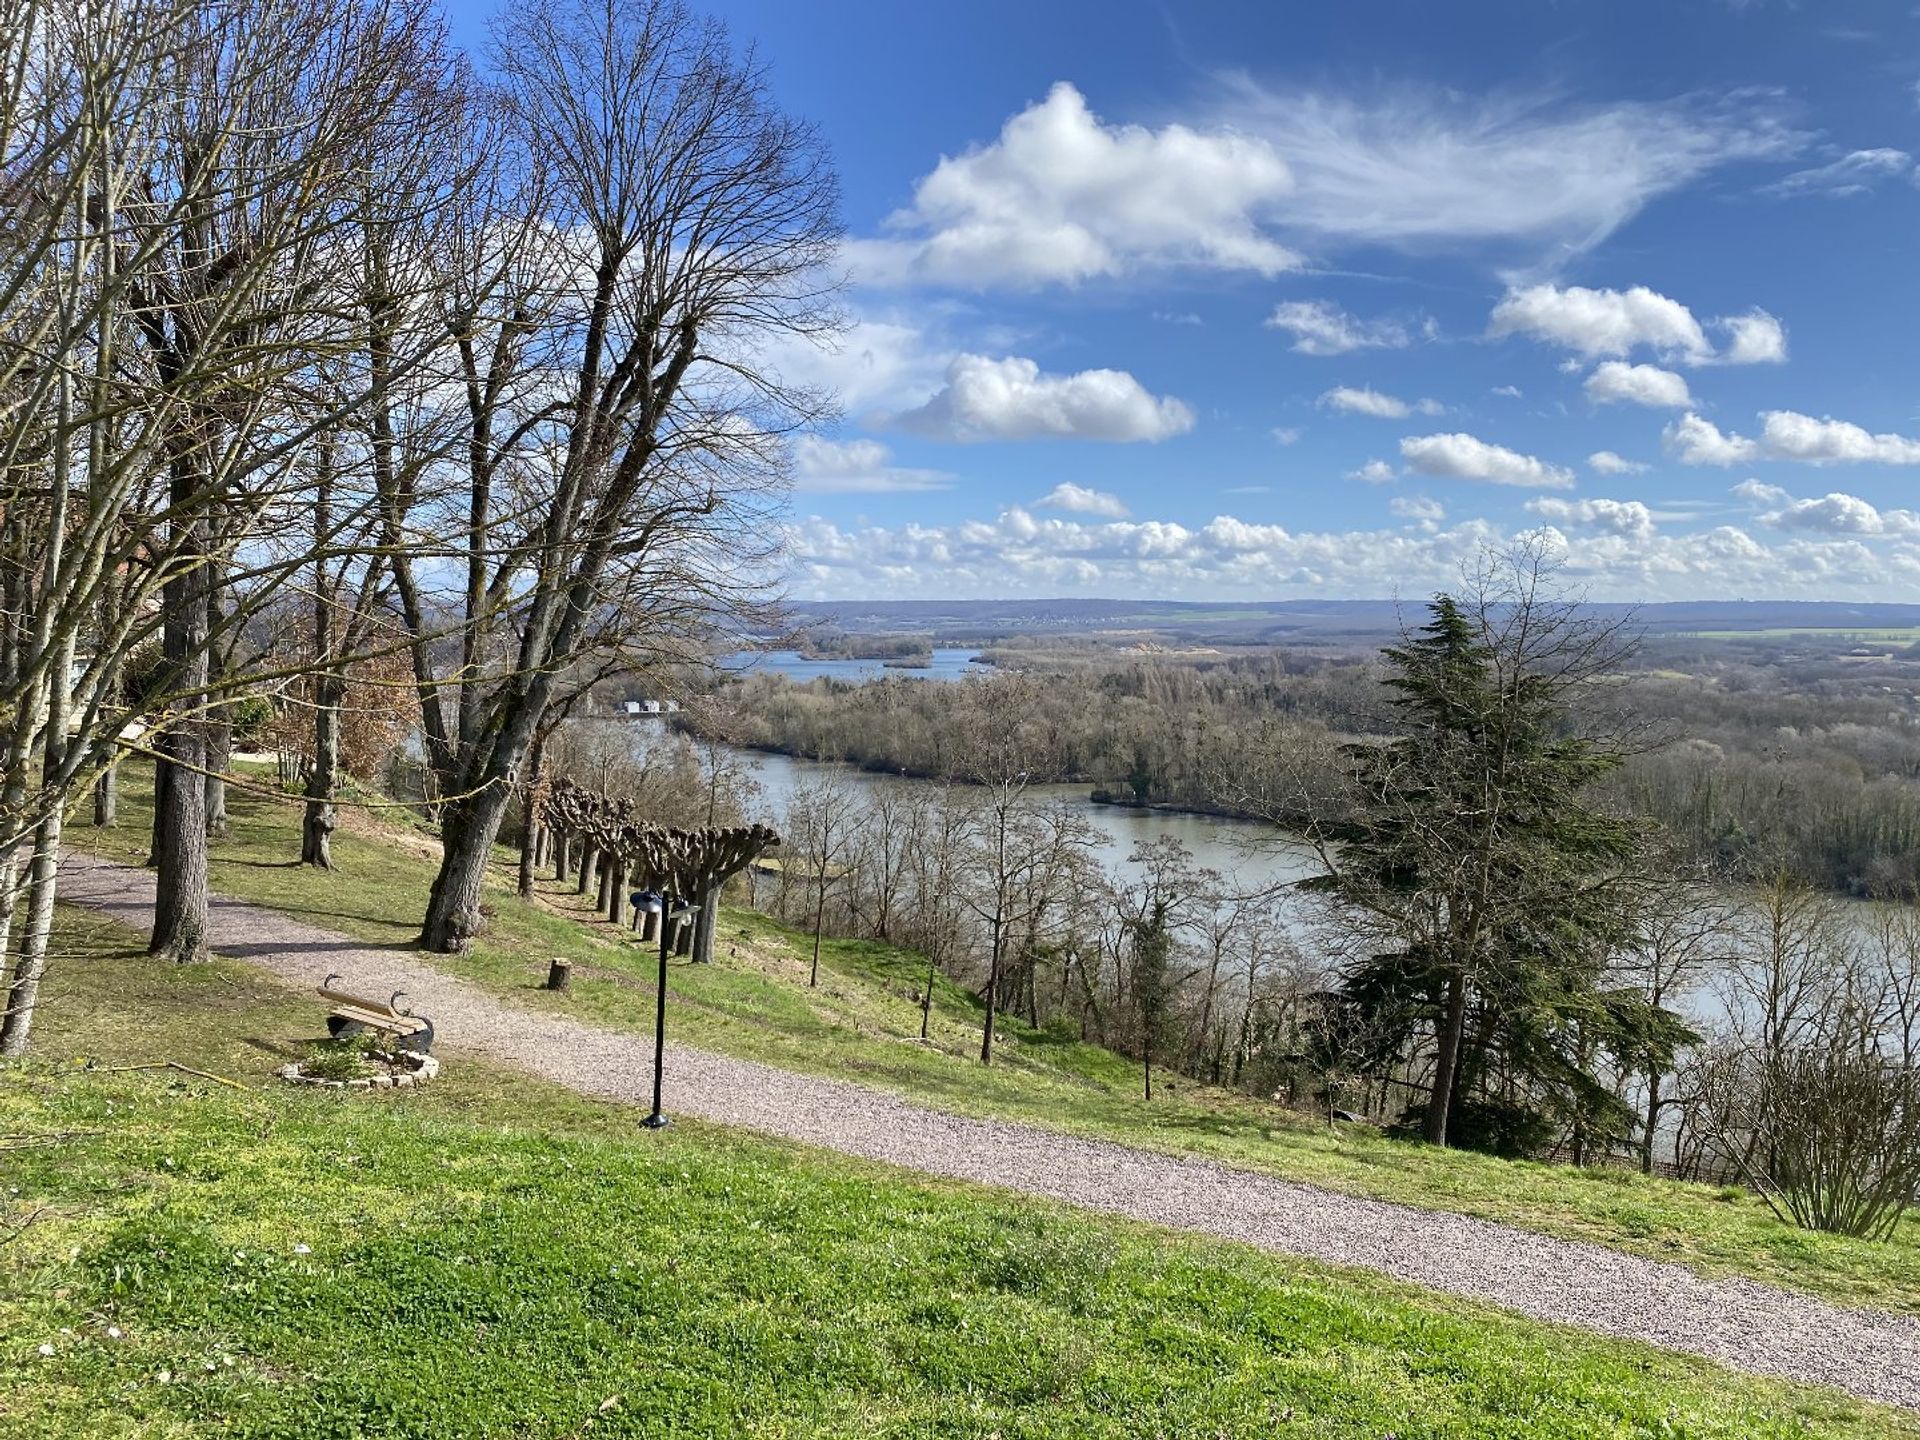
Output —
(1744, 1324)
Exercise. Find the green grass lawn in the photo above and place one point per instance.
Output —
(862, 1023)
(495, 1257)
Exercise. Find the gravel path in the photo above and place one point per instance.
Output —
(1750, 1326)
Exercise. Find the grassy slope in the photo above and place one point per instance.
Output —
(863, 1024)
(495, 1257)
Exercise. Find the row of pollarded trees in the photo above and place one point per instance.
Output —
(317, 348)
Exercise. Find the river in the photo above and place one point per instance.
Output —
(1251, 855)
(948, 664)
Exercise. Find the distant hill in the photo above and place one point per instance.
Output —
(1278, 621)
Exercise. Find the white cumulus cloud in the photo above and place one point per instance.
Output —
(1614, 323)
(1617, 517)
(1013, 399)
(1605, 462)
(1789, 436)
(1755, 338)
(1081, 500)
(1617, 381)
(1062, 196)
(1602, 322)
(1465, 457)
(1419, 510)
(1374, 472)
(1834, 513)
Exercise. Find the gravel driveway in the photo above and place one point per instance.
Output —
(1747, 1325)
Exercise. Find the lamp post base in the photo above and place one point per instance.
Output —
(656, 1121)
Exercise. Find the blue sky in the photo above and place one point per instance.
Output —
(1212, 300)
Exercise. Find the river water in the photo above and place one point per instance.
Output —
(1253, 855)
(948, 664)
(1236, 848)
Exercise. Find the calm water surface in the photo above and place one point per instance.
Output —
(948, 664)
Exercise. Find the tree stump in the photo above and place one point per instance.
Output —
(559, 974)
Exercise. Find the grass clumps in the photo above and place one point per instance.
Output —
(286, 1264)
(350, 1057)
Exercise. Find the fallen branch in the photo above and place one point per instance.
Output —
(183, 1069)
(14, 1232)
(37, 1142)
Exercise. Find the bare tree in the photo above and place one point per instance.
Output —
(1685, 938)
(164, 283)
(821, 818)
(684, 223)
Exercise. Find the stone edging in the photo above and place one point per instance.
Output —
(425, 1067)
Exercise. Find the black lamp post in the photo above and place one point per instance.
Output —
(670, 916)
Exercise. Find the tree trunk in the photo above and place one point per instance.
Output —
(162, 771)
(1654, 1077)
(219, 742)
(992, 997)
(532, 833)
(180, 818)
(180, 890)
(467, 830)
(558, 843)
(1453, 1026)
(819, 922)
(23, 992)
(616, 890)
(317, 823)
(589, 864)
(704, 925)
(106, 797)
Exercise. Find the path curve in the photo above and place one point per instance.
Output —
(1742, 1323)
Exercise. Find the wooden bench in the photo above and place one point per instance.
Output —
(355, 1015)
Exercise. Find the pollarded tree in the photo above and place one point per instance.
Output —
(624, 437)
(1484, 880)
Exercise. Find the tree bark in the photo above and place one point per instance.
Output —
(106, 797)
(219, 741)
(704, 925)
(616, 890)
(180, 818)
(162, 771)
(23, 992)
(992, 997)
(467, 830)
(1654, 1077)
(323, 776)
(180, 891)
(1446, 1063)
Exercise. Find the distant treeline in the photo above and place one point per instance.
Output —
(1807, 765)
(840, 645)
